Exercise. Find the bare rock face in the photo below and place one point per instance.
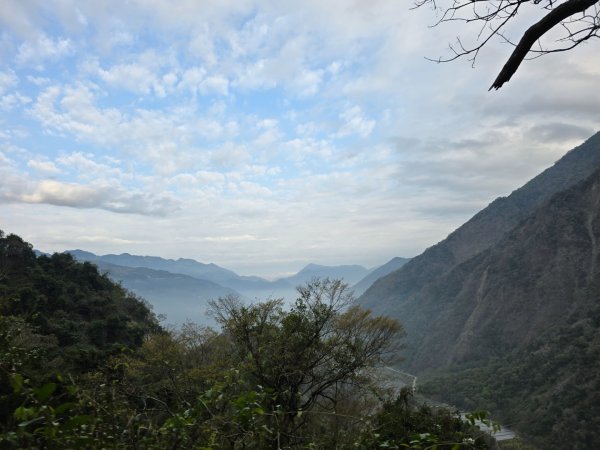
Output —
(516, 268)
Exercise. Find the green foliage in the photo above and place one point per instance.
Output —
(404, 424)
(90, 316)
(84, 365)
(308, 356)
(548, 391)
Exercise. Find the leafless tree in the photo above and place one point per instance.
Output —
(576, 21)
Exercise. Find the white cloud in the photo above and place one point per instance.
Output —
(43, 166)
(71, 109)
(38, 81)
(163, 138)
(207, 177)
(201, 45)
(133, 77)
(229, 156)
(309, 150)
(8, 102)
(148, 73)
(197, 81)
(354, 122)
(44, 47)
(307, 82)
(8, 80)
(84, 167)
(250, 189)
(95, 195)
(304, 123)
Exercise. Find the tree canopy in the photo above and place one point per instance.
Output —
(84, 365)
(311, 356)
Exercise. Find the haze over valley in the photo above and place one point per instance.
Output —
(328, 224)
(180, 289)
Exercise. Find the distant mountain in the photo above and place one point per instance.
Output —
(184, 266)
(374, 275)
(349, 273)
(247, 286)
(250, 287)
(179, 297)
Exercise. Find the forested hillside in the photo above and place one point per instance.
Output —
(511, 328)
(399, 293)
(83, 316)
(520, 327)
(548, 390)
(85, 365)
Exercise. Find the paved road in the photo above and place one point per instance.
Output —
(407, 379)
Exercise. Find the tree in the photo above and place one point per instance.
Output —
(577, 20)
(15, 254)
(306, 357)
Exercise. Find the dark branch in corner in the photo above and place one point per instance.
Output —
(535, 32)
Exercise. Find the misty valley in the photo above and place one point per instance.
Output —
(500, 320)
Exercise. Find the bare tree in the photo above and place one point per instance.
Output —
(576, 20)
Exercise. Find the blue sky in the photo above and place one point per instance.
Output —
(261, 135)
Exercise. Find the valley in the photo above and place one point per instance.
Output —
(502, 315)
(179, 290)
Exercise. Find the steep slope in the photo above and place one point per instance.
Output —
(381, 271)
(414, 293)
(516, 329)
(548, 391)
(543, 274)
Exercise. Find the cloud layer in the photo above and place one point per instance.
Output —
(264, 135)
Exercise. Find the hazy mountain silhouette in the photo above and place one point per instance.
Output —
(374, 275)
(189, 283)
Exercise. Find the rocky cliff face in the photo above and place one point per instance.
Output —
(505, 275)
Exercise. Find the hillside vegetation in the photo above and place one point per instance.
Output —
(507, 323)
(85, 365)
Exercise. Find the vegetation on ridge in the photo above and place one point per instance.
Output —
(501, 313)
(84, 364)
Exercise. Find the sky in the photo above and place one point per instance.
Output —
(266, 135)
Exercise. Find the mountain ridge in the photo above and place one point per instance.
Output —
(378, 272)
(180, 288)
(401, 293)
(516, 329)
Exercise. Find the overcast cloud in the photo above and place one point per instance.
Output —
(264, 135)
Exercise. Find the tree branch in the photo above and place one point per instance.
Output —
(535, 32)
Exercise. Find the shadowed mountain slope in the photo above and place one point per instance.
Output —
(516, 329)
(390, 266)
(541, 275)
(418, 293)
